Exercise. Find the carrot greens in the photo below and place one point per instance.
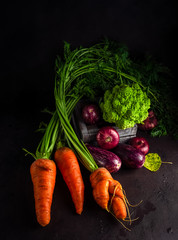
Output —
(73, 74)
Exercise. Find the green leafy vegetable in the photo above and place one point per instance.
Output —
(77, 63)
(125, 105)
(111, 64)
(158, 78)
(153, 162)
(159, 130)
(117, 65)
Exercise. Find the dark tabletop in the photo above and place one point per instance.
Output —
(159, 190)
(31, 37)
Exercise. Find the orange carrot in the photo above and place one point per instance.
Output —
(68, 165)
(118, 207)
(116, 188)
(101, 194)
(107, 192)
(43, 174)
(98, 175)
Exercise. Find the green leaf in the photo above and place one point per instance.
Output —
(159, 130)
(66, 50)
(153, 162)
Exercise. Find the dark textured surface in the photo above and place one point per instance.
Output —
(31, 37)
(157, 213)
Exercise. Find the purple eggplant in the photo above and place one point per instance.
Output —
(130, 156)
(105, 158)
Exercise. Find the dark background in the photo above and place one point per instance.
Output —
(31, 37)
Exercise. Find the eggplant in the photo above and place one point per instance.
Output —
(130, 156)
(105, 158)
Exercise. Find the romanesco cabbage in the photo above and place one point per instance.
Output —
(125, 105)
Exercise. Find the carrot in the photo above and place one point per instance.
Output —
(98, 175)
(116, 189)
(103, 174)
(101, 194)
(108, 193)
(118, 207)
(69, 167)
(43, 174)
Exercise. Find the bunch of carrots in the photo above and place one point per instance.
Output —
(61, 142)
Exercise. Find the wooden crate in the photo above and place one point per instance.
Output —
(87, 133)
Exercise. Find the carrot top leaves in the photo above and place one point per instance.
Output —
(46, 145)
(73, 79)
(66, 100)
(48, 141)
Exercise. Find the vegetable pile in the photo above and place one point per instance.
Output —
(105, 71)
